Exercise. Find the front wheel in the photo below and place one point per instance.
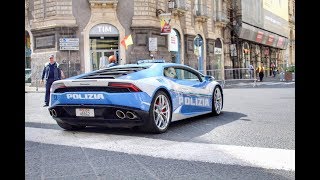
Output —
(217, 101)
(69, 127)
(159, 114)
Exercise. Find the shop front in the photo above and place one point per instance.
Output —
(103, 42)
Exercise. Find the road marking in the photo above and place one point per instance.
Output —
(268, 158)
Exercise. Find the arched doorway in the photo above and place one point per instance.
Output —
(174, 44)
(103, 42)
(198, 51)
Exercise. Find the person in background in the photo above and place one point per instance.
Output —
(51, 72)
(260, 71)
(103, 62)
(251, 71)
(112, 61)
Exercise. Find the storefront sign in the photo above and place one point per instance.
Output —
(104, 29)
(270, 40)
(280, 42)
(153, 44)
(45, 42)
(165, 23)
(173, 41)
(259, 37)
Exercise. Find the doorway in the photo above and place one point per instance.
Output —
(95, 56)
(102, 46)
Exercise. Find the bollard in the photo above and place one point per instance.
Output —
(36, 84)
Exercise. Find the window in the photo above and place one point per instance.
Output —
(181, 74)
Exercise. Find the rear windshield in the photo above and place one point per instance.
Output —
(112, 73)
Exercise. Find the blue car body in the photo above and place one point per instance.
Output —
(131, 88)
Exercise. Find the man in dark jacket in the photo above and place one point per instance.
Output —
(51, 72)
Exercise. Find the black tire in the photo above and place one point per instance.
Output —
(69, 127)
(215, 96)
(151, 125)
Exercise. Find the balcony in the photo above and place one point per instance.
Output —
(200, 13)
(221, 19)
(179, 7)
(103, 3)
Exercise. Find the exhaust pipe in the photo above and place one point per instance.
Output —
(54, 113)
(120, 114)
(50, 112)
(131, 115)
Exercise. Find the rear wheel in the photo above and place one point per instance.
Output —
(159, 114)
(217, 101)
(69, 127)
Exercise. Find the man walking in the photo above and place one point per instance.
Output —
(51, 72)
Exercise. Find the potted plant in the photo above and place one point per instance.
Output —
(289, 73)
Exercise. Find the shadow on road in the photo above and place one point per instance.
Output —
(182, 131)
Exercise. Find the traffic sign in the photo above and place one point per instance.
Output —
(69, 40)
(69, 47)
(69, 43)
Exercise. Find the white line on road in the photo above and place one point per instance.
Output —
(269, 158)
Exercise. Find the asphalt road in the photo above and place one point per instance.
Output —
(254, 138)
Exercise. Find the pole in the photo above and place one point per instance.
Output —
(69, 64)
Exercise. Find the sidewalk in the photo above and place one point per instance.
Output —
(29, 89)
(267, 81)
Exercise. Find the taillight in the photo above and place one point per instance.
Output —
(129, 86)
(57, 86)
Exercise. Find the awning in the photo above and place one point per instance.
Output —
(261, 36)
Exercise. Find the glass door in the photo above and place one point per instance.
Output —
(98, 56)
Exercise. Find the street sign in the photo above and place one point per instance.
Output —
(153, 44)
(69, 40)
(69, 43)
(233, 50)
(198, 42)
(69, 48)
(217, 50)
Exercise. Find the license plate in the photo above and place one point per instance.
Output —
(85, 112)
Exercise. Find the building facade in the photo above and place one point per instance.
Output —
(290, 52)
(260, 34)
(80, 32)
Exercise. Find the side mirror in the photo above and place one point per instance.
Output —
(209, 78)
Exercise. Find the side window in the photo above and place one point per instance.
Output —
(184, 74)
(170, 72)
(181, 74)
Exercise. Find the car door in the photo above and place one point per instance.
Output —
(191, 93)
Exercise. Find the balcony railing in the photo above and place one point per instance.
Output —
(221, 16)
(200, 10)
(180, 4)
(179, 8)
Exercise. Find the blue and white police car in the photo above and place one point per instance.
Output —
(150, 94)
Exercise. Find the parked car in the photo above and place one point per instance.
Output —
(150, 94)
(27, 75)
